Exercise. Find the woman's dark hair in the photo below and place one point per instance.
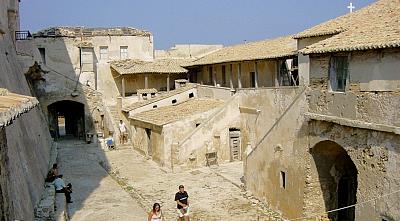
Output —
(154, 207)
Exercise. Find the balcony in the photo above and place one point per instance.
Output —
(22, 35)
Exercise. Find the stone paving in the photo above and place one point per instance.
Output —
(96, 195)
(214, 193)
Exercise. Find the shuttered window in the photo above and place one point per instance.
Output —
(338, 73)
(123, 51)
(87, 59)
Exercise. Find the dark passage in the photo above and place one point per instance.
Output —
(338, 178)
(66, 118)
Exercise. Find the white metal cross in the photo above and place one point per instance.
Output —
(351, 7)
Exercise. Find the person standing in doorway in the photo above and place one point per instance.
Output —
(122, 132)
(181, 198)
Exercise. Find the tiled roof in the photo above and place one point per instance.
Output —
(169, 114)
(12, 105)
(373, 27)
(146, 91)
(87, 32)
(266, 49)
(159, 97)
(158, 66)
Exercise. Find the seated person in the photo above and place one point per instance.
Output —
(52, 174)
(110, 142)
(62, 188)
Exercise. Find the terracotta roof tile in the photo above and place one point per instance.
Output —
(169, 114)
(373, 27)
(158, 66)
(88, 32)
(12, 105)
(266, 49)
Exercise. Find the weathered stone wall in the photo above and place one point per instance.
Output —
(377, 159)
(201, 140)
(221, 93)
(272, 124)
(28, 138)
(367, 71)
(5, 202)
(175, 132)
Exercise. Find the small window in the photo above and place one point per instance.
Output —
(174, 101)
(42, 52)
(123, 52)
(103, 53)
(153, 94)
(191, 95)
(144, 96)
(154, 106)
(198, 124)
(338, 73)
(283, 180)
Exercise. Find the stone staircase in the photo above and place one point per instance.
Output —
(115, 117)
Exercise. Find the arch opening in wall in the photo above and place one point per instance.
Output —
(66, 118)
(337, 177)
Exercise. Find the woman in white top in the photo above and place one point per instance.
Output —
(156, 214)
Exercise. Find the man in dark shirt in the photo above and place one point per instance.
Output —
(182, 201)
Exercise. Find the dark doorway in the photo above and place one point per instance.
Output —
(148, 133)
(66, 118)
(337, 176)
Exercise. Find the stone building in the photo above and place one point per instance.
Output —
(267, 63)
(75, 63)
(159, 74)
(341, 131)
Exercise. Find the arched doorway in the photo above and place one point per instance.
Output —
(66, 118)
(338, 179)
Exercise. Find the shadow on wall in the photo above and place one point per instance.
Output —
(337, 177)
(68, 98)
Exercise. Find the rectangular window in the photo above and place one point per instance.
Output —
(103, 53)
(338, 73)
(42, 52)
(223, 75)
(253, 79)
(210, 76)
(123, 52)
(87, 59)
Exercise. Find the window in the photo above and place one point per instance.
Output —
(144, 96)
(87, 59)
(210, 76)
(283, 180)
(174, 101)
(123, 52)
(191, 95)
(253, 79)
(338, 73)
(42, 52)
(197, 124)
(223, 75)
(154, 106)
(103, 53)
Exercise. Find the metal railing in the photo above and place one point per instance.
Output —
(22, 35)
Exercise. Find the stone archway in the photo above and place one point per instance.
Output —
(337, 176)
(72, 112)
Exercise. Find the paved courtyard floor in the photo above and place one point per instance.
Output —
(123, 185)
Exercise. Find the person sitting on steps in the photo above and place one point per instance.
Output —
(52, 174)
(62, 188)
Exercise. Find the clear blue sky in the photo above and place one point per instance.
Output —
(188, 21)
